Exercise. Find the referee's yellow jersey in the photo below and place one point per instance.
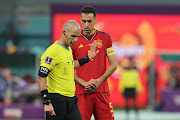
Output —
(130, 79)
(59, 61)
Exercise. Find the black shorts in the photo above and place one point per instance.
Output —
(129, 93)
(66, 108)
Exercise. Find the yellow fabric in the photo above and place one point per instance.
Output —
(61, 76)
(110, 51)
(130, 79)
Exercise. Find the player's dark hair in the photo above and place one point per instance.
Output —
(88, 9)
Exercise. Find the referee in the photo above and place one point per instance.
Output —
(56, 75)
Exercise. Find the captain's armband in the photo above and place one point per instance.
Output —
(43, 71)
(110, 51)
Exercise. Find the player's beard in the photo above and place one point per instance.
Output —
(88, 31)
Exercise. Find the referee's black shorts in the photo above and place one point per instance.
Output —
(129, 93)
(66, 108)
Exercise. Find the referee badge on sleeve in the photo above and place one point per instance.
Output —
(48, 60)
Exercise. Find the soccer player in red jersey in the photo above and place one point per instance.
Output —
(91, 79)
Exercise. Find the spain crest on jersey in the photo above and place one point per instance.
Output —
(99, 43)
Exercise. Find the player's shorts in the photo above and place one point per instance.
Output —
(130, 92)
(65, 108)
(97, 104)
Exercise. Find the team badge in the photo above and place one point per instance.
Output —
(99, 43)
(48, 60)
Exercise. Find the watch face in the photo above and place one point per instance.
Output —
(47, 102)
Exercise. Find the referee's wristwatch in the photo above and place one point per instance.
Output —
(47, 102)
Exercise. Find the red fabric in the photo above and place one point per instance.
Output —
(95, 68)
(103, 111)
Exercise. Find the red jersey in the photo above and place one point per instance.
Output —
(96, 67)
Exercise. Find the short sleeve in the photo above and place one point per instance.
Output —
(109, 49)
(48, 59)
(109, 41)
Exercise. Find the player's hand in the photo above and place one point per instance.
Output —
(89, 86)
(94, 84)
(49, 109)
(93, 51)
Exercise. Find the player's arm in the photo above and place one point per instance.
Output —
(112, 67)
(79, 80)
(43, 72)
(112, 63)
(88, 85)
(86, 59)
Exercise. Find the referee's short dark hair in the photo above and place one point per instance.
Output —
(88, 9)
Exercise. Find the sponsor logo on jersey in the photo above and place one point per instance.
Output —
(80, 46)
(48, 60)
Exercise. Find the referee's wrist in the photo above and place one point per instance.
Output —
(83, 60)
(45, 95)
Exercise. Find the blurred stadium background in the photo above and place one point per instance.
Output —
(147, 30)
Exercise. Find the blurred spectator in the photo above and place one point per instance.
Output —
(31, 91)
(130, 84)
(13, 85)
(161, 81)
(28, 78)
(14, 89)
(3, 87)
(174, 79)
